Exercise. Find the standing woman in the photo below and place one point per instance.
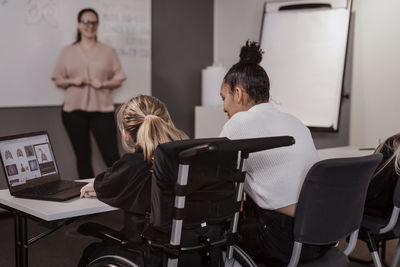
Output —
(88, 71)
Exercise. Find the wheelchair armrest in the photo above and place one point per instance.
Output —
(252, 145)
(247, 146)
(102, 232)
(392, 222)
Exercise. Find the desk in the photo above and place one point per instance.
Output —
(343, 152)
(53, 214)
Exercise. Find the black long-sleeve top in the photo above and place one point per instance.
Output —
(127, 185)
(379, 200)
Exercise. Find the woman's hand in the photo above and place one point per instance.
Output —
(88, 191)
(109, 84)
(65, 83)
(96, 83)
(77, 81)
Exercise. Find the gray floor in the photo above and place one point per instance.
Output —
(64, 247)
(61, 248)
(361, 251)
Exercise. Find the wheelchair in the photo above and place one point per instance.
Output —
(197, 188)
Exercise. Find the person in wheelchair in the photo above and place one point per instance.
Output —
(144, 123)
(379, 200)
(274, 177)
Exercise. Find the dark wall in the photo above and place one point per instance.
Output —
(182, 45)
(20, 120)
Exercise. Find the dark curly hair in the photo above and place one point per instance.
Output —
(249, 74)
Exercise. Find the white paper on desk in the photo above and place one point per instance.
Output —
(211, 80)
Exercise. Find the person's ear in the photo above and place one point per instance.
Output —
(239, 95)
(127, 136)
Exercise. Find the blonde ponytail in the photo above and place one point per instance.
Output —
(155, 131)
(148, 123)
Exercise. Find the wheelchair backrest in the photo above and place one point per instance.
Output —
(196, 195)
(210, 191)
(211, 180)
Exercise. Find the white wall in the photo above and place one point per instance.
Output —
(375, 80)
(376, 72)
(235, 21)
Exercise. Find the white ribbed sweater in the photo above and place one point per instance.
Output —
(274, 177)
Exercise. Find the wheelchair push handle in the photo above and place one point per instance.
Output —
(247, 146)
(252, 145)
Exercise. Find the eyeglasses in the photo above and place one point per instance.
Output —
(87, 22)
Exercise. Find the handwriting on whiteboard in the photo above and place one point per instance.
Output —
(126, 27)
(37, 10)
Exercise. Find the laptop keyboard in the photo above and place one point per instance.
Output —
(52, 187)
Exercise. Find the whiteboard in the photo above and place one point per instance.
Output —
(304, 56)
(35, 31)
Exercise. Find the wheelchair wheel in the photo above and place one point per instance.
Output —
(112, 261)
(240, 259)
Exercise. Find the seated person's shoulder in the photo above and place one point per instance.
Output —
(242, 118)
(137, 157)
(131, 162)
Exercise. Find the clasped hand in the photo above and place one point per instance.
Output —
(88, 191)
(95, 83)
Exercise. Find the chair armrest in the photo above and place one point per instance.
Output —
(352, 243)
(102, 232)
(296, 251)
(392, 222)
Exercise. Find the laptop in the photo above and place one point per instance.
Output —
(30, 168)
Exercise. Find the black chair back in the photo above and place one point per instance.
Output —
(332, 198)
(395, 212)
(396, 194)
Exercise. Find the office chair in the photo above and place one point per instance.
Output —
(197, 187)
(330, 207)
(375, 231)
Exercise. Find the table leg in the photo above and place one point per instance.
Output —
(24, 239)
(17, 240)
(21, 240)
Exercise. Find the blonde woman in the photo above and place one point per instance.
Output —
(380, 191)
(144, 123)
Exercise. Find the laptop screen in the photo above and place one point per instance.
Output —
(27, 158)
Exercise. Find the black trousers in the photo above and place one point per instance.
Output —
(268, 239)
(78, 125)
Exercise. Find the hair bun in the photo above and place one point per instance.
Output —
(251, 53)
